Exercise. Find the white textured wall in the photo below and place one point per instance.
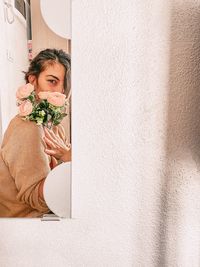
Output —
(136, 164)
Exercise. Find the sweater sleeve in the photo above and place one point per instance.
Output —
(23, 153)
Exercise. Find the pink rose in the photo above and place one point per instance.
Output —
(43, 95)
(56, 99)
(24, 90)
(25, 108)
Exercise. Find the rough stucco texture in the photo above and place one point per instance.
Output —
(135, 146)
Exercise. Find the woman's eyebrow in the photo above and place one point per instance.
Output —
(53, 77)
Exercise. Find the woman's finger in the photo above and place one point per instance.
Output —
(49, 142)
(53, 143)
(56, 140)
(50, 152)
(47, 133)
(56, 130)
(51, 132)
(52, 136)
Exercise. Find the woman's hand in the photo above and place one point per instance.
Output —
(56, 146)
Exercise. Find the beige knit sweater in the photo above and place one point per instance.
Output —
(23, 166)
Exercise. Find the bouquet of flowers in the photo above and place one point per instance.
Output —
(47, 109)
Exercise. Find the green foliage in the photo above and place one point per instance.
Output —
(44, 113)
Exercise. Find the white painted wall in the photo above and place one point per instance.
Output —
(13, 60)
(136, 178)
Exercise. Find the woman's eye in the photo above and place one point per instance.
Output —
(52, 81)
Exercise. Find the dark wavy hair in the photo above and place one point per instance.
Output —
(49, 57)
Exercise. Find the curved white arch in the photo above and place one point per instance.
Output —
(57, 15)
(57, 190)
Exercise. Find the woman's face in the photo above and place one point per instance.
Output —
(51, 79)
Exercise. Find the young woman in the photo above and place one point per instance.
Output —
(24, 164)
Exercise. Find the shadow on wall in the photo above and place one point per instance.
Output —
(183, 130)
(183, 117)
